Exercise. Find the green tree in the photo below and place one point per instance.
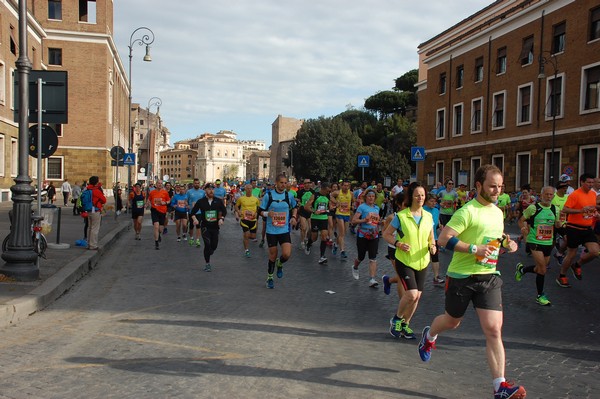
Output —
(386, 103)
(325, 149)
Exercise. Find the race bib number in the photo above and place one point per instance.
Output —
(210, 216)
(321, 207)
(158, 201)
(249, 215)
(181, 204)
(588, 215)
(373, 218)
(344, 207)
(447, 204)
(279, 219)
(544, 232)
(139, 204)
(491, 261)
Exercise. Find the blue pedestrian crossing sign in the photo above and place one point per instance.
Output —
(417, 154)
(129, 159)
(364, 161)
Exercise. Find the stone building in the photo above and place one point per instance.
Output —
(179, 164)
(283, 131)
(507, 86)
(259, 164)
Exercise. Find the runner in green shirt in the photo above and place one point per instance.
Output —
(475, 234)
(319, 205)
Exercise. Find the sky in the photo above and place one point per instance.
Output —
(238, 64)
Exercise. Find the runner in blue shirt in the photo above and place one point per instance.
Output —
(278, 207)
(220, 192)
(367, 233)
(179, 204)
(193, 195)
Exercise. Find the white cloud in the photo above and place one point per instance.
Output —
(236, 65)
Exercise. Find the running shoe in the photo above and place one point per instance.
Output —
(156, 245)
(247, 253)
(407, 332)
(191, 242)
(178, 239)
(322, 260)
(343, 255)
(270, 283)
(198, 243)
(279, 266)
(165, 230)
(396, 326)
(355, 272)
(386, 284)
(543, 300)
(307, 250)
(373, 283)
(262, 243)
(207, 268)
(559, 258)
(508, 390)
(576, 269)
(425, 346)
(185, 237)
(438, 281)
(519, 272)
(302, 244)
(335, 249)
(563, 282)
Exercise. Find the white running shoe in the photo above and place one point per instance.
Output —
(322, 260)
(355, 273)
(373, 283)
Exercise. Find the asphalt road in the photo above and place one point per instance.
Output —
(153, 324)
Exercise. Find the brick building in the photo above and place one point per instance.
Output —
(283, 131)
(508, 84)
(72, 36)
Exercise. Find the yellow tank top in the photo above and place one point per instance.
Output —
(344, 203)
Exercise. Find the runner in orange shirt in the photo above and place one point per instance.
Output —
(158, 200)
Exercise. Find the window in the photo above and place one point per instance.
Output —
(501, 61)
(460, 76)
(439, 171)
(2, 83)
(442, 83)
(595, 24)
(456, 168)
(526, 56)
(2, 155)
(591, 88)
(14, 157)
(498, 115)
(55, 56)
(55, 9)
(13, 41)
(554, 97)
(552, 169)
(479, 69)
(476, 117)
(87, 11)
(522, 176)
(440, 127)
(589, 159)
(558, 38)
(457, 125)
(54, 168)
(524, 105)
(475, 164)
(498, 161)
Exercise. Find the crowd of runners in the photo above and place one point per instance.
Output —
(416, 223)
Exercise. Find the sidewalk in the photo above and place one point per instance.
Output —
(62, 268)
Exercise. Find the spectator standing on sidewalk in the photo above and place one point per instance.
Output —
(75, 193)
(51, 193)
(474, 234)
(66, 191)
(95, 215)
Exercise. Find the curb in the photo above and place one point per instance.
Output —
(56, 285)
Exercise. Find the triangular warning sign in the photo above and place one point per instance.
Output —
(417, 155)
(127, 159)
(363, 161)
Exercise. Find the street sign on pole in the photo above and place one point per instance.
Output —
(417, 154)
(129, 159)
(364, 161)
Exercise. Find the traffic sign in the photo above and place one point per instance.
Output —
(129, 159)
(364, 161)
(117, 152)
(417, 154)
(114, 163)
(49, 141)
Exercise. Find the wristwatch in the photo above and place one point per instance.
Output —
(473, 249)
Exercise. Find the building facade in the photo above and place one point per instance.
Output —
(178, 164)
(259, 164)
(517, 85)
(151, 138)
(283, 131)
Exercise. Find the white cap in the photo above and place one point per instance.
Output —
(565, 178)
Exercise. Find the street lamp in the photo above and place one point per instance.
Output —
(147, 39)
(154, 101)
(553, 61)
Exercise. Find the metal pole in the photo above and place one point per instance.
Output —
(39, 149)
(553, 123)
(20, 257)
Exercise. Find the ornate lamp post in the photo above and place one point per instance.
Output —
(147, 39)
(154, 101)
(551, 59)
(19, 256)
